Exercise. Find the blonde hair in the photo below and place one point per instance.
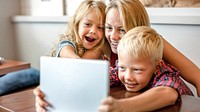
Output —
(72, 34)
(132, 13)
(142, 41)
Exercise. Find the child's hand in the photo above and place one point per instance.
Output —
(110, 104)
(40, 104)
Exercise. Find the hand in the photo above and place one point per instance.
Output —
(110, 104)
(40, 104)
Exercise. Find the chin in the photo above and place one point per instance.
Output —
(130, 90)
(114, 50)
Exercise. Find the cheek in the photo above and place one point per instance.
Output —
(121, 76)
(101, 35)
(107, 36)
(80, 31)
(144, 80)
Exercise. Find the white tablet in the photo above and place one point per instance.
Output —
(74, 85)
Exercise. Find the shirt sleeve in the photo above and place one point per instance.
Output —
(169, 76)
(114, 79)
(113, 71)
(63, 44)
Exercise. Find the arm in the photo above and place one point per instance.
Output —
(96, 53)
(92, 54)
(69, 52)
(189, 71)
(151, 99)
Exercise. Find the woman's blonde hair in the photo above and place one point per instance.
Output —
(142, 41)
(132, 13)
(72, 34)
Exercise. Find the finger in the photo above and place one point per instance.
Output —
(37, 92)
(41, 101)
(109, 100)
(104, 108)
(39, 108)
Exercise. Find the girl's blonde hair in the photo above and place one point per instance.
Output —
(142, 41)
(132, 13)
(72, 34)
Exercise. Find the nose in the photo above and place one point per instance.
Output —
(93, 30)
(114, 35)
(129, 75)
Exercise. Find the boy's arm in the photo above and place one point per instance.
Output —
(152, 99)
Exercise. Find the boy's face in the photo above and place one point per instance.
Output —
(91, 30)
(134, 73)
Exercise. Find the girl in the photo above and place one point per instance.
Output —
(85, 37)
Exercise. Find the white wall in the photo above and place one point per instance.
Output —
(35, 36)
(185, 38)
(8, 8)
(180, 27)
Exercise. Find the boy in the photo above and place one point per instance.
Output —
(141, 68)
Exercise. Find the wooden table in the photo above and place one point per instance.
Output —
(11, 66)
(25, 102)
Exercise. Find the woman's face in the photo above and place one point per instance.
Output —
(114, 29)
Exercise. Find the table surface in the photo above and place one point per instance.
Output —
(11, 65)
(24, 101)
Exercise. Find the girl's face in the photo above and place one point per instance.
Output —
(134, 73)
(114, 29)
(91, 30)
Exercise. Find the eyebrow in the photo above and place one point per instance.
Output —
(117, 27)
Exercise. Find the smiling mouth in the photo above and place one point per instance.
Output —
(114, 44)
(89, 39)
(131, 85)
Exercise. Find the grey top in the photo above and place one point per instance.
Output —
(63, 44)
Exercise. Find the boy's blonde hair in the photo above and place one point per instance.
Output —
(142, 41)
(72, 34)
(132, 13)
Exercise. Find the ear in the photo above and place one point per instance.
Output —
(158, 66)
(160, 63)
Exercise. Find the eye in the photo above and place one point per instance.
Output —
(122, 31)
(108, 28)
(87, 24)
(137, 70)
(121, 68)
(101, 28)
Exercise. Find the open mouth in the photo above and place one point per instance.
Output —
(89, 39)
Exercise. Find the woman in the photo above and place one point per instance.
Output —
(121, 16)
